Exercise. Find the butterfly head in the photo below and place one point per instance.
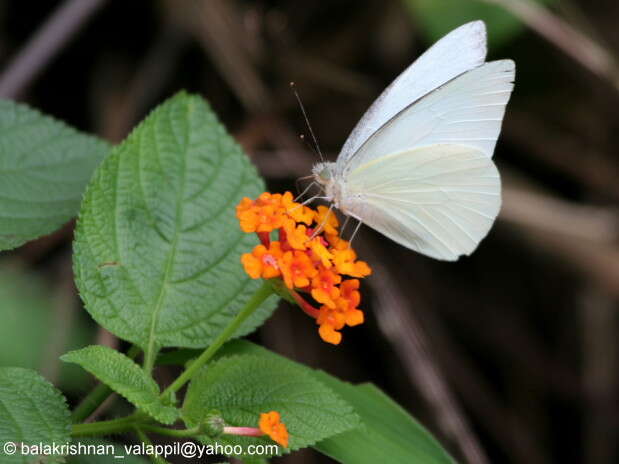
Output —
(323, 172)
(324, 175)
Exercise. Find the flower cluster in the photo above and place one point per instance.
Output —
(309, 257)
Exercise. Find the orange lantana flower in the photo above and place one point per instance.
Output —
(327, 220)
(297, 211)
(324, 287)
(297, 269)
(296, 235)
(263, 261)
(271, 425)
(310, 257)
(350, 292)
(320, 251)
(346, 263)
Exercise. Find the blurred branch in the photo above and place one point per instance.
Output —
(566, 37)
(216, 24)
(550, 215)
(409, 341)
(61, 26)
(583, 236)
(502, 423)
(599, 375)
(118, 107)
(325, 73)
(567, 153)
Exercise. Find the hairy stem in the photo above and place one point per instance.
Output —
(177, 433)
(106, 427)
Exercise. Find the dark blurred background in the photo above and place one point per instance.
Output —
(509, 355)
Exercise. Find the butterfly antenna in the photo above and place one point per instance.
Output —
(309, 126)
(311, 147)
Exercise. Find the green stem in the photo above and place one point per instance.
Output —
(171, 432)
(149, 359)
(98, 395)
(144, 438)
(256, 300)
(105, 427)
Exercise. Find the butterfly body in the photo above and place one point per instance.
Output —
(418, 166)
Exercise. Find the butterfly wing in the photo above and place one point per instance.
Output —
(468, 110)
(440, 200)
(459, 51)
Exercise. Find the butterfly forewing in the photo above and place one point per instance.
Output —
(468, 110)
(459, 51)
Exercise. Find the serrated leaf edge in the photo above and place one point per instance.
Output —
(146, 407)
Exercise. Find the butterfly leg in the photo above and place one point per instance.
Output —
(322, 224)
(358, 226)
(305, 191)
(344, 225)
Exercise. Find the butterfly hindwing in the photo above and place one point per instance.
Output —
(440, 200)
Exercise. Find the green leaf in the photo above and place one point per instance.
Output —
(29, 327)
(157, 248)
(388, 430)
(243, 387)
(103, 452)
(124, 376)
(32, 411)
(44, 168)
(438, 17)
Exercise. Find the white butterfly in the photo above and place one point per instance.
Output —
(418, 166)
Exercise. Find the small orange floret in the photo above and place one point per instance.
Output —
(329, 334)
(330, 321)
(327, 220)
(346, 263)
(297, 211)
(244, 205)
(354, 317)
(270, 424)
(263, 261)
(350, 292)
(296, 235)
(320, 251)
(324, 287)
(297, 269)
(260, 218)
